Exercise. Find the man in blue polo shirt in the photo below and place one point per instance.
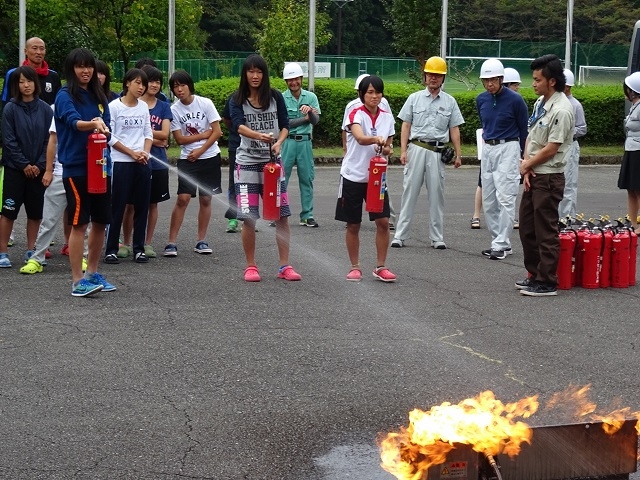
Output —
(503, 115)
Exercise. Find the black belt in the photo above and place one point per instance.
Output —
(300, 137)
(498, 142)
(433, 146)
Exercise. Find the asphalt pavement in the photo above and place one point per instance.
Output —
(186, 371)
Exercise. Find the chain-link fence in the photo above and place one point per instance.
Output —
(465, 57)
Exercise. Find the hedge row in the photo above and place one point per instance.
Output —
(603, 107)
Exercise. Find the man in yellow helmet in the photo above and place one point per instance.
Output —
(430, 119)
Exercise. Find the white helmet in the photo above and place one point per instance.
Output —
(511, 75)
(633, 82)
(491, 68)
(569, 77)
(292, 70)
(359, 79)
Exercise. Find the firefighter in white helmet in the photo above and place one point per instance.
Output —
(304, 112)
(511, 79)
(567, 207)
(430, 119)
(629, 178)
(503, 116)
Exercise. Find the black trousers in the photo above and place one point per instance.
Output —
(131, 184)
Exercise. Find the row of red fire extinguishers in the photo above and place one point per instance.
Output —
(597, 254)
(272, 171)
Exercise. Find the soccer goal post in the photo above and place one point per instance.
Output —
(596, 75)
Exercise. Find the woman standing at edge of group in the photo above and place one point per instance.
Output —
(369, 130)
(629, 178)
(81, 109)
(259, 114)
(25, 135)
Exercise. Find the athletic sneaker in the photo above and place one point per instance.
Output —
(97, 279)
(498, 254)
(488, 252)
(288, 273)
(540, 290)
(140, 257)
(84, 288)
(309, 222)
(149, 251)
(524, 284)
(111, 259)
(27, 255)
(12, 239)
(384, 275)
(65, 250)
(202, 248)
(171, 250)
(397, 243)
(124, 251)
(439, 245)
(32, 266)
(4, 260)
(355, 275)
(47, 254)
(84, 264)
(232, 226)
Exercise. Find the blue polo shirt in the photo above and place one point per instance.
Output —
(503, 115)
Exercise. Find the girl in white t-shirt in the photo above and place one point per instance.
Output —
(131, 139)
(369, 129)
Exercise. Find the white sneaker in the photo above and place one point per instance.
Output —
(397, 243)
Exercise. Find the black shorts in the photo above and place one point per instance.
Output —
(19, 190)
(349, 206)
(201, 176)
(84, 207)
(159, 186)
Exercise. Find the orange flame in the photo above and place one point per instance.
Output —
(576, 398)
(483, 422)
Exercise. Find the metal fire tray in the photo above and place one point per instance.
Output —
(559, 452)
(574, 451)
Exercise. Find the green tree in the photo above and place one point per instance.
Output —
(415, 25)
(285, 34)
(231, 25)
(114, 29)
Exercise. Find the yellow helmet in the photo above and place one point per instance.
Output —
(436, 65)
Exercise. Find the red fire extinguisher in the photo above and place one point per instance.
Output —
(591, 247)
(377, 185)
(567, 259)
(620, 259)
(582, 232)
(633, 255)
(605, 258)
(97, 163)
(272, 173)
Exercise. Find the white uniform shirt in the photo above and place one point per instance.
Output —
(355, 164)
(193, 119)
(57, 166)
(130, 126)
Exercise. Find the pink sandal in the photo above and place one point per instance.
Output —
(251, 274)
